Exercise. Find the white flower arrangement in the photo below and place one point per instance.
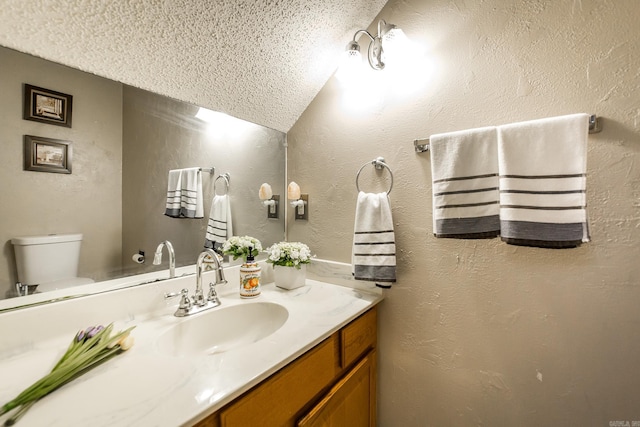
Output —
(239, 246)
(289, 254)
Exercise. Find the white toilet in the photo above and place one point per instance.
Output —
(51, 262)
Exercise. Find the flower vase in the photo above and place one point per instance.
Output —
(290, 277)
(238, 261)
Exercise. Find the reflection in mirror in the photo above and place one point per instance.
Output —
(124, 142)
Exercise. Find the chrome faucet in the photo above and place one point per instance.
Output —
(208, 254)
(157, 259)
(198, 302)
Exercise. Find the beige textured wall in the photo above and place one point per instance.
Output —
(480, 332)
(162, 134)
(36, 203)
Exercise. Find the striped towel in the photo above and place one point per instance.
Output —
(464, 167)
(374, 249)
(543, 166)
(219, 227)
(184, 194)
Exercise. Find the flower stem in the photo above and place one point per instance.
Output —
(82, 355)
(14, 419)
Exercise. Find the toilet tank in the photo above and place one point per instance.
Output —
(42, 259)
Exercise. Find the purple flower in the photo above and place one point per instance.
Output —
(88, 333)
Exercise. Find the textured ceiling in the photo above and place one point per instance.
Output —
(260, 60)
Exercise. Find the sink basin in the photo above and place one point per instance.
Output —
(222, 329)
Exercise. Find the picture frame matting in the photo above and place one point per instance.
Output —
(47, 154)
(47, 106)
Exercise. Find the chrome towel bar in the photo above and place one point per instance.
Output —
(595, 126)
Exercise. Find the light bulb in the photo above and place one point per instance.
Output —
(350, 64)
(265, 192)
(293, 191)
(396, 45)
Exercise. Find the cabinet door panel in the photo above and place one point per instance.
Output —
(351, 402)
(277, 401)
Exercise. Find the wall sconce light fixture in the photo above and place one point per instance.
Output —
(390, 43)
(270, 200)
(298, 201)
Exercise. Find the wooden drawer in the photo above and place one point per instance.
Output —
(277, 401)
(358, 337)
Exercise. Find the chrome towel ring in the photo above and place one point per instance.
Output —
(226, 178)
(378, 163)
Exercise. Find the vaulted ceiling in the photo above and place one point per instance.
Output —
(259, 60)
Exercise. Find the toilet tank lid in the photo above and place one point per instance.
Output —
(44, 240)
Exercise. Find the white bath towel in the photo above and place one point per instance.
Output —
(184, 194)
(220, 225)
(174, 193)
(543, 165)
(374, 249)
(464, 168)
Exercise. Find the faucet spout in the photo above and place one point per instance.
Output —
(157, 259)
(208, 254)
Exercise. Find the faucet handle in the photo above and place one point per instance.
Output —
(185, 302)
(169, 295)
(213, 295)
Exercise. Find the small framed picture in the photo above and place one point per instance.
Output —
(47, 106)
(46, 154)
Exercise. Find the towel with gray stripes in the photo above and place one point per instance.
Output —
(464, 167)
(374, 248)
(184, 194)
(543, 165)
(220, 226)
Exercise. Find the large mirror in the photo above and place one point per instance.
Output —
(124, 142)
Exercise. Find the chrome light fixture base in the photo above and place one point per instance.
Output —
(375, 52)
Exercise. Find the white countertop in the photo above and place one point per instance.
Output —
(144, 386)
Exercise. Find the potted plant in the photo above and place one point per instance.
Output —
(239, 247)
(289, 261)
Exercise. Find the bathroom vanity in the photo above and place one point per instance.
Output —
(332, 384)
(301, 357)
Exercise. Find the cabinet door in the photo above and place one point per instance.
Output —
(278, 400)
(351, 402)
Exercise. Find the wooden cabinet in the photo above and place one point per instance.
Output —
(333, 384)
(277, 400)
(349, 403)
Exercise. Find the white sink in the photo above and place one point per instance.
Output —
(222, 329)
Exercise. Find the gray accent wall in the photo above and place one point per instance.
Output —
(162, 134)
(88, 201)
(124, 142)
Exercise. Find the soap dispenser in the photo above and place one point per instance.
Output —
(250, 277)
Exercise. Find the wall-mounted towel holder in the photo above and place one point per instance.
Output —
(224, 177)
(211, 170)
(595, 126)
(379, 164)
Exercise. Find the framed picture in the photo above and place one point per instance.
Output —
(46, 154)
(47, 106)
